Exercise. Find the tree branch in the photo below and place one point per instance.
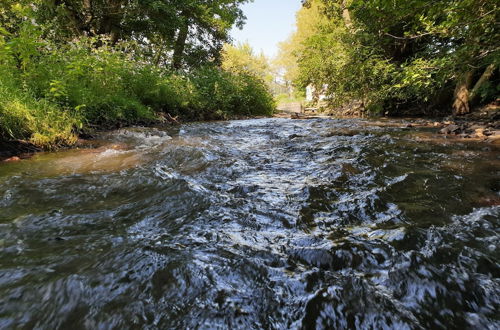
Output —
(408, 38)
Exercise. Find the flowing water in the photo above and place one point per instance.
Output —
(256, 224)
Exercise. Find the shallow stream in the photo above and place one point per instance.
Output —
(256, 224)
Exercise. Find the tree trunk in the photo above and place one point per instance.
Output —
(346, 15)
(461, 104)
(111, 20)
(180, 45)
(488, 72)
(87, 11)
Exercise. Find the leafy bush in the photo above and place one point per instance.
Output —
(51, 93)
(221, 94)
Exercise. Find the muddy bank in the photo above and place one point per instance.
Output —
(16, 150)
(482, 125)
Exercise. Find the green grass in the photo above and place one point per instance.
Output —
(286, 98)
(36, 121)
(63, 92)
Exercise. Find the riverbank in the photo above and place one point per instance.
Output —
(481, 125)
(480, 128)
(17, 150)
(49, 105)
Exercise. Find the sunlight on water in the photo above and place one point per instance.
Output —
(268, 223)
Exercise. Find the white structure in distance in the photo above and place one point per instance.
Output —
(312, 94)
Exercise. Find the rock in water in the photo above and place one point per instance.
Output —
(450, 129)
(12, 159)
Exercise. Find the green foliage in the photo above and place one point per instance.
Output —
(176, 33)
(67, 67)
(242, 59)
(96, 81)
(57, 92)
(287, 98)
(39, 121)
(221, 94)
(308, 21)
(394, 54)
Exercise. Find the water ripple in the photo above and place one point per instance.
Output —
(253, 224)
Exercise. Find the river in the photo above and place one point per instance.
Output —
(254, 224)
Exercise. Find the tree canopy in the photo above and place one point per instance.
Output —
(399, 55)
(69, 66)
(242, 59)
(172, 32)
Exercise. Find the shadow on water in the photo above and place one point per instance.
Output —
(268, 223)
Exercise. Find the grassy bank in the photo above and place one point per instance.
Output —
(70, 67)
(58, 93)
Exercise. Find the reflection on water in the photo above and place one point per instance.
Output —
(268, 223)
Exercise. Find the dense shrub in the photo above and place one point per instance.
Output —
(399, 57)
(222, 94)
(48, 94)
(25, 117)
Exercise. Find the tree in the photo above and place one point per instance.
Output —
(204, 29)
(242, 59)
(291, 50)
(401, 55)
(179, 32)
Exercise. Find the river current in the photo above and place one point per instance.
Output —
(254, 224)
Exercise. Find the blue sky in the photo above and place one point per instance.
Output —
(268, 23)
